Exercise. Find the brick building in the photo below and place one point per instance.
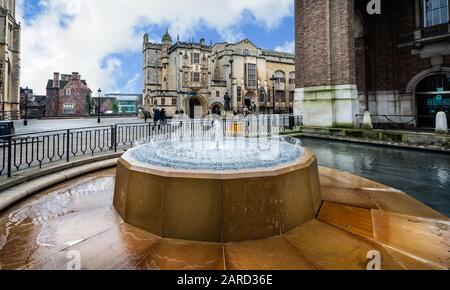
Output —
(67, 96)
(350, 59)
(9, 60)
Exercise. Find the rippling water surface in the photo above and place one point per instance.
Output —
(227, 154)
(423, 175)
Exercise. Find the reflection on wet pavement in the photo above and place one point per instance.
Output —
(45, 230)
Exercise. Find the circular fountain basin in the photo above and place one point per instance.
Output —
(230, 191)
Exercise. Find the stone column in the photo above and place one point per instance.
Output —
(326, 93)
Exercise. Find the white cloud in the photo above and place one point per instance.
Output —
(77, 35)
(287, 47)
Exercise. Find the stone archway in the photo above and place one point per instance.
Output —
(196, 107)
(249, 99)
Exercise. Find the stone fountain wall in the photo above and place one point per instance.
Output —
(218, 207)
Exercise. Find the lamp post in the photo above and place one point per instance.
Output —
(99, 103)
(27, 98)
(273, 81)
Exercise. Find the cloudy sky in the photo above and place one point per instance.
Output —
(102, 39)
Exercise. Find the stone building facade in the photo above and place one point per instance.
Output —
(197, 78)
(67, 96)
(350, 59)
(9, 60)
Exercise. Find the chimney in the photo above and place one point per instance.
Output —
(75, 76)
(56, 80)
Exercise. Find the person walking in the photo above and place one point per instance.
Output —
(163, 116)
(156, 115)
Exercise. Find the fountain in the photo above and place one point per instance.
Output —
(220, 194)
(218, 188)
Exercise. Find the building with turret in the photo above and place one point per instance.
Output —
(9, 61)
(197, 78)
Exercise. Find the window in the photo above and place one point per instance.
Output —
(280, 76)
(174, 102)
(196, 58)
(69, 109)
(262, 95)
(280, 96)
(435, 12)
(217, 94)
(251, 75)
(292, 78)
(195, 77)
(68, 92)
(291, 96)
(163, 102)
(155, 102)
(246, 52)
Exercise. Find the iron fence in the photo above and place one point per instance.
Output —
(400, 121)
(37, 150)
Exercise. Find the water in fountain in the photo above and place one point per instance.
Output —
(218, 151)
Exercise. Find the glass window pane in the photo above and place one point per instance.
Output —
(444, 14)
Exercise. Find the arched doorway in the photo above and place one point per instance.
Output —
(196, 107)
(217, 109)
(432, 95)
(249, 100)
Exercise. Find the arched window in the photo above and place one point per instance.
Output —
(246, 52)
(262, 95)
(432, 96)
(292, 78)
(280, 76)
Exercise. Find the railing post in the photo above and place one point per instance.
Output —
(149, 130)
(113, 138)
(68, 145)
(10, 157)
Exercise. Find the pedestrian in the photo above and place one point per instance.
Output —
(156, 115)
(163, 116)
(245, 111)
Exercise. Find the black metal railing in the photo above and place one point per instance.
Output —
(400, 121)
(36, 150)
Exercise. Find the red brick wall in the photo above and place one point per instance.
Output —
(51, 103)
(360, 64)
(312, 43)
(342, 42)
(324, 42)
(57, 98)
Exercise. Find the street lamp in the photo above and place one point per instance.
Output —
(273, 80)
(27, 99)
(99, 105)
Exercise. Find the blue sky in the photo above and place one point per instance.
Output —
(103, 43)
